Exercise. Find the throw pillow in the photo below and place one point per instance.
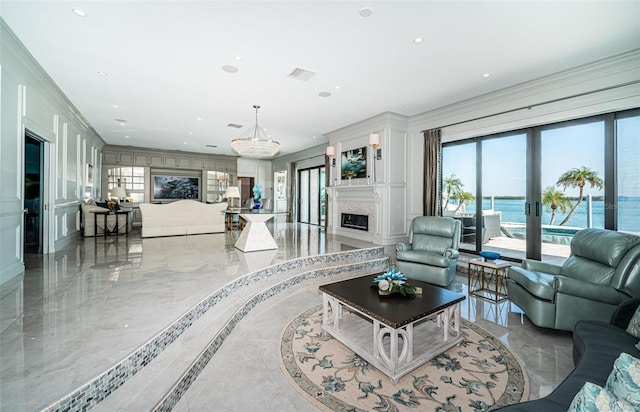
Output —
(593, 398)
(624, 380)
(633, 328)
(102, 204)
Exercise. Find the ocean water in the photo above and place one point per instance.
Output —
(512, 210)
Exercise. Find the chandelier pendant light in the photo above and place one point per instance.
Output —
(255, 146)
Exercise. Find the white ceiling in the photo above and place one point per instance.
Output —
(164, 60)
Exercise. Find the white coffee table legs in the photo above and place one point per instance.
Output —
(255, 235)
(400, 348)
(395, 352)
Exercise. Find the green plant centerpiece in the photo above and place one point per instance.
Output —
(392, 281)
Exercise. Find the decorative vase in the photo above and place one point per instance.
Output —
(384, 292)
(257, 204)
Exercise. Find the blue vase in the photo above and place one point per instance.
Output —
(257, 204)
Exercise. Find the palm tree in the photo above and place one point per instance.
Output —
(579, 178)
(463, 198)
(555, 199)
(452, 184)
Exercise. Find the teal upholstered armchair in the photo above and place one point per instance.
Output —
(602, 272)
(432, 251)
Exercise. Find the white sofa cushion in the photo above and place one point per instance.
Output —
(183, 217)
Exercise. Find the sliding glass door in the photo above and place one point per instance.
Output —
(503, 193)
(311, 189)
(526, 193)
(572, 180)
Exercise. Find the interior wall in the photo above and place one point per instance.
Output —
(600, 87)
(260, 170)
(311, 157)
(31, 100)
(382, 194)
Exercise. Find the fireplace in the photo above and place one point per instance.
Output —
(353, 221)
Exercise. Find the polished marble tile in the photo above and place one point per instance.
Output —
(77, 312)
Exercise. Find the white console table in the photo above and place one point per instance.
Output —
(255, 235)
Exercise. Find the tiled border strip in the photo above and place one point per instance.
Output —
(92, 393)
(170, 400)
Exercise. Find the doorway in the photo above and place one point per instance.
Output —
(33, 187)
(312, 196)
(246, 190)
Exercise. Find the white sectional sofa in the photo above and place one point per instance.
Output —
(183, 217)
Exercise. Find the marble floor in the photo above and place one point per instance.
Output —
(79, 311)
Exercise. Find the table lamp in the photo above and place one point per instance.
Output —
(231, 193)
(119, 193)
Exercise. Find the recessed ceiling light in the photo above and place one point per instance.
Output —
(237, 58)
(115, 106)
(365, 12)
(337, 87)
(126, 136)
(103, 73)
(313, 137)
(485, 75)
(79, 12)
(185, 143)
(199, 118)
(190, 132)
(418, 40)
(230, 69)
(324, 94)
(401, 106)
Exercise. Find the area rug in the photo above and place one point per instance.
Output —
(478, 374)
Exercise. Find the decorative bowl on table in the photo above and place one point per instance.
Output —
(489, 256)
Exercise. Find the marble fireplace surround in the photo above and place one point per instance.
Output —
(357, 200)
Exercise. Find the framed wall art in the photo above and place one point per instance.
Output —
(175, 187)
(354, 164)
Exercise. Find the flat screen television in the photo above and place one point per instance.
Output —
(354, 164)
(176, 187)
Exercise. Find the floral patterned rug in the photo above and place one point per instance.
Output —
(479, 374)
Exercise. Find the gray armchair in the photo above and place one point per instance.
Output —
(432, 251)
(602, 272)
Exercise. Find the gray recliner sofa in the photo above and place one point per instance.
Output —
(432, 251)
(596, 346)
(602, 272)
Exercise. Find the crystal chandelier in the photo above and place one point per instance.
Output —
(255, 146)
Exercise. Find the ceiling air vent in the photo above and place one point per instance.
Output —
(235, 126)
(212, 145)
(301, 74)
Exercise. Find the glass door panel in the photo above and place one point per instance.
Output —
(323, 197)
(459, 188)
(628, 198)
(314, 196)
(304, 196)
(572, 182)
(504, 170)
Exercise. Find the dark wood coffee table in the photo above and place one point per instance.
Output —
(431, 320)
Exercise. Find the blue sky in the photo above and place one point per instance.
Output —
(564, 148)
